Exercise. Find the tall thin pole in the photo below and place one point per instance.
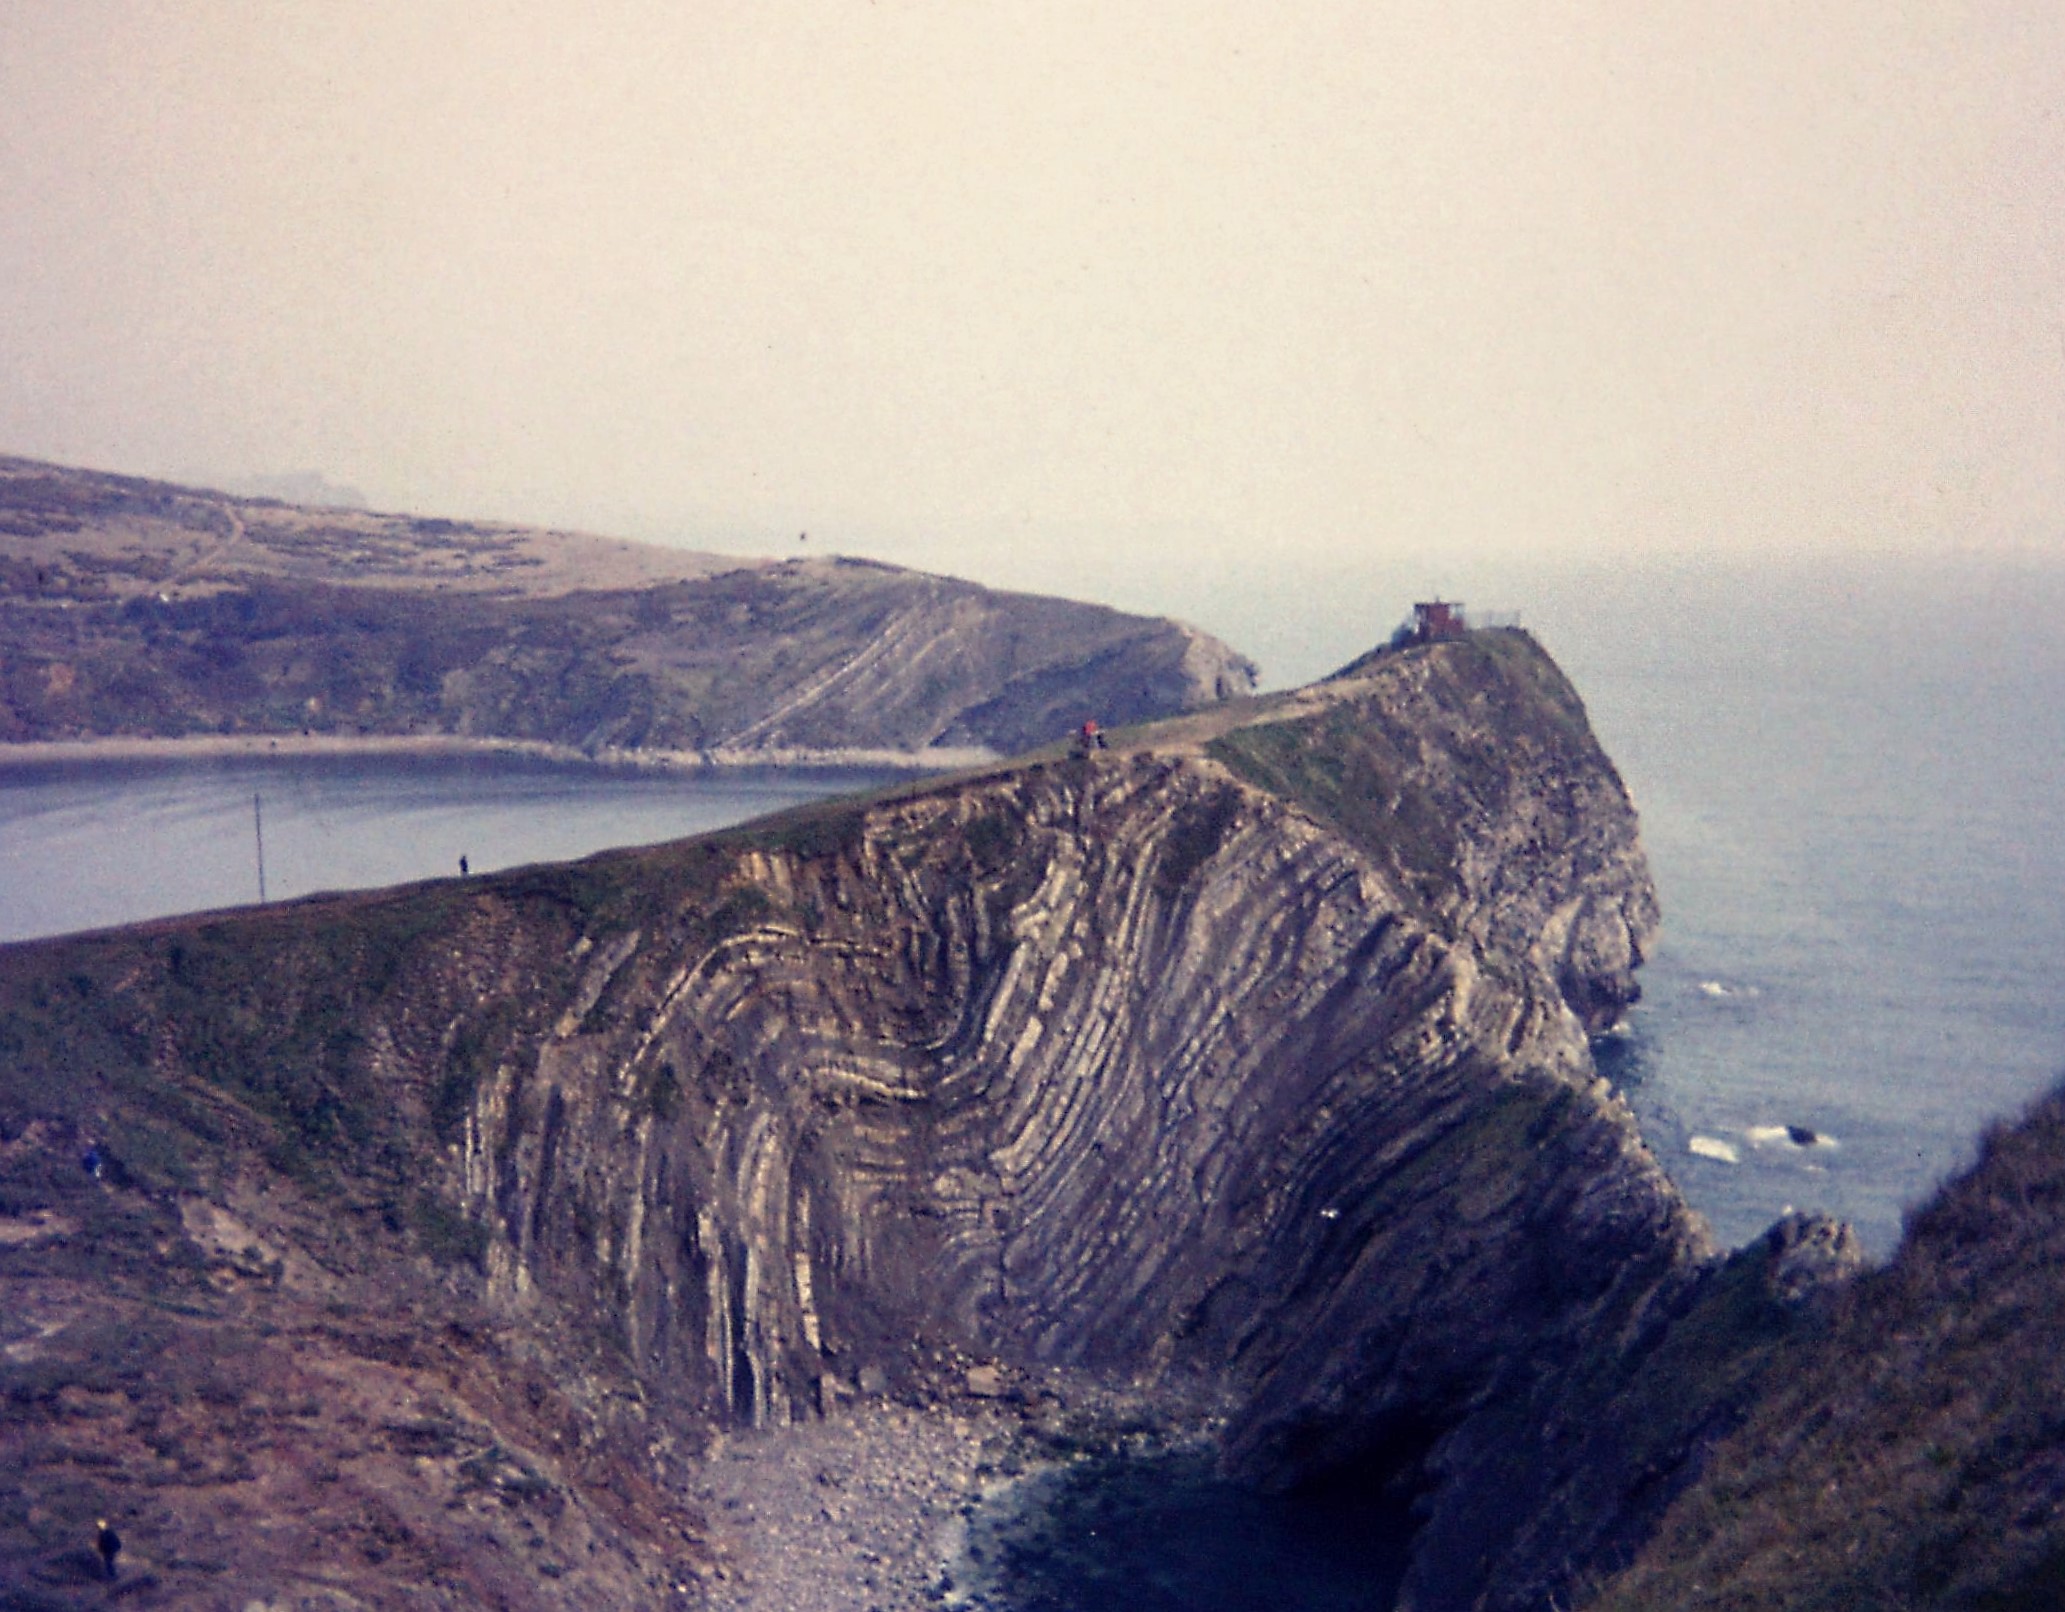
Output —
(258, 827)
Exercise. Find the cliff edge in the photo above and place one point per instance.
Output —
(1907, 1452)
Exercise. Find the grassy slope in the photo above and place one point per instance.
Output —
(325, 1358)
(1349, 765)
(1912, 1452)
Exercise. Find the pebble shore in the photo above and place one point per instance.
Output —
(847, 1515)
(867, 1511)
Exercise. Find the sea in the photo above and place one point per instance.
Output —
(1850, 773)
(1851, 781)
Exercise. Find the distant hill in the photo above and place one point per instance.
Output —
(133, 608)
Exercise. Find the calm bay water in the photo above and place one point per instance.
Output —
(86, 844)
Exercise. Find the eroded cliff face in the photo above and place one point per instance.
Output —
(1249, 1053)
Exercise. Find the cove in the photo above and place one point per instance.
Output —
(1163, 1532)
(91, 843)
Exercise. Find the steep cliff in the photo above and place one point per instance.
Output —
(131, 607)
(1247, 1057)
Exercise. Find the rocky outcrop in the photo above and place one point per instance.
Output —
(1563, 1467)
(134, 608)
(1247, 1057)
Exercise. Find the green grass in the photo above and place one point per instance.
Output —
(1353, 779)
(1193, 838)
(994, 840)
(446, 1235)
(1399, 769)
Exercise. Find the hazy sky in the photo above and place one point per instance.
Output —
(1126, 288)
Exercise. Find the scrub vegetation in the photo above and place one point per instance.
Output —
(269, 1180)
